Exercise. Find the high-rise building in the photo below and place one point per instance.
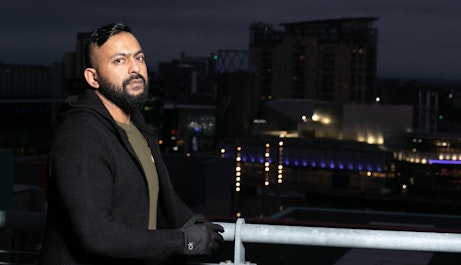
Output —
(73, 66)
(188, 75)
(329, 59)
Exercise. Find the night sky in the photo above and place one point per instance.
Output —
(416, 38)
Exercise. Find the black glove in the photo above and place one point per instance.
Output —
(200, 219)
(201, 237)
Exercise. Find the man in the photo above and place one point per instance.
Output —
(110, 197)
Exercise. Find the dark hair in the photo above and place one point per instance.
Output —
(99, 36)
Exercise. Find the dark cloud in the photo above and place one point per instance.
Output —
(417, 38)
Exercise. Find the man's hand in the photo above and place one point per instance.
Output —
(201, 237)
(200, 219)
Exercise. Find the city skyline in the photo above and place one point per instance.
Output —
(416, 39)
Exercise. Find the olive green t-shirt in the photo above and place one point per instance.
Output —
(142, 150)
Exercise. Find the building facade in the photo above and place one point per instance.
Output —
(330, 59)
(29, 98)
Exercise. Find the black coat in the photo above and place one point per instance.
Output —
(98, 207)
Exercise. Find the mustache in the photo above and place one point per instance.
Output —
(136, 76)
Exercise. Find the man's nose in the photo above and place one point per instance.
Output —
(134, 67)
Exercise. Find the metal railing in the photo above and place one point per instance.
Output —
(240, 232)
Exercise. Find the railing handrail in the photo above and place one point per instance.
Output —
(240, 232)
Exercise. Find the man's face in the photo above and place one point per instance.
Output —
(122, 71)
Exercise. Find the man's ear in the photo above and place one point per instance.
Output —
(91, 77)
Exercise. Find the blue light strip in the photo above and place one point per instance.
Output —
(447, 162)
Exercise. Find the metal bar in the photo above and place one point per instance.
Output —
(2, 219)
(239, 250)
(344, 237)
(242, 233)
(31, 253)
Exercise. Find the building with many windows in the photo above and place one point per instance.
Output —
(328, 59)
(29, 98)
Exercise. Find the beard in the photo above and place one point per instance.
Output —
(120, 96)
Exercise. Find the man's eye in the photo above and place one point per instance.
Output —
(140, 58)
(118, 61)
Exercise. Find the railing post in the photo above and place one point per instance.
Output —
(239, 249)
